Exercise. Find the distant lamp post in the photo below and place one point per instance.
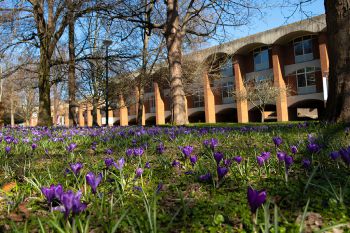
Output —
(107, 43)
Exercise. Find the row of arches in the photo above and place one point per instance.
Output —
(309, 109)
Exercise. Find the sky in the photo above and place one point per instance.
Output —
(272, 18)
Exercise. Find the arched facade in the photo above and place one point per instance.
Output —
(294, 55)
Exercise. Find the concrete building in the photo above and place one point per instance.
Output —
(294, 55)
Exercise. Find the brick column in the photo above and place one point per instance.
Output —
(160, 115)
(110, 115)
(99, 118)
(81, 115)
(322, 45)
(209, 100)
(66, 116)
(242, 105)
(281, 103)
(89, 115)
(123, 112)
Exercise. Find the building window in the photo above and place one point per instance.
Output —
(227, 95)
(303, 49)
(152, 104)
(227, 70)
(198, 99)
(263, 78)
(306, 80)
(261, 59)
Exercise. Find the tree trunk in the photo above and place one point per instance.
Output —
(12, 114)
(44, 117)
(262, 116)
(174, 37)
(94, 113)
(338, 28)
(71, 71)
(2, 113)
(140, 106)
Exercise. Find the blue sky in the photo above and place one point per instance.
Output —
(274, 17)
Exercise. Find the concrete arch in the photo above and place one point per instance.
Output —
(132, 120)
(293, 35)
(249, 47)
(227, 115)
(306, 109)
(215, 57)
(197, 116)
(292, 100)
(151, 120)
(313, 25)
(255, 115)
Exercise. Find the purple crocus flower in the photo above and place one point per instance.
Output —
(193, 159)
(278, 141)
(212, 143)
(71, 147)
(334, 155)
(34, 146)
(187, 150)
(147, 165)
(260, 160)
(313, 147)
(294, 149)
(175, 163)
(160, 148)
(255, 199)
(222, 171)
(119, 164)
(281, 156)
(306, 163)
(139, 172)
(227, 162)
(93, 180)
(265, 155)
(109, 151)
(159, 188)
(53, 192)
(7, 149)
(129, 152)
(345, 155)
(138, 151)
(71, 203)
(205, 178)
(137, 188)
(237, 159)
(76, 167)
(288, 160)
(109, 162)
(218, 156)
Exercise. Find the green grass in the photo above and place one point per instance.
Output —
(184, 204)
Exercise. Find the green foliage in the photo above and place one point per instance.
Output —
(173, 199)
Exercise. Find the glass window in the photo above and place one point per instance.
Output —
(261, 59)
(152, 104)
(198, 99)
(227, 70)
(303, 50)
(227, 89)
(306, 80)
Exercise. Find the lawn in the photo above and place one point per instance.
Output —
(207, 178)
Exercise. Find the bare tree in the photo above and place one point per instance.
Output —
(38, 25)
(259, 94)
(179, 21)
